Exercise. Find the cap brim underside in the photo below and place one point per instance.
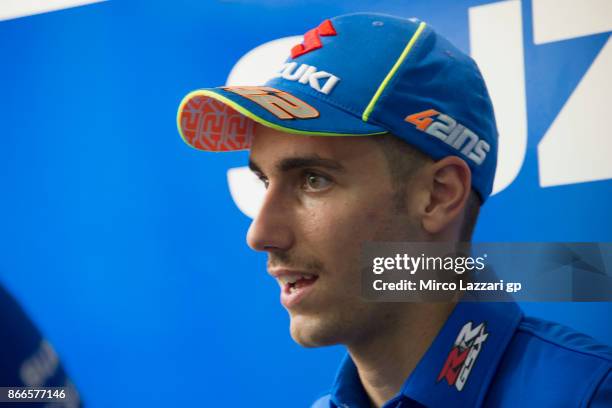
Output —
(220, 119)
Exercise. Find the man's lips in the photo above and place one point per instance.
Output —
(295, 285)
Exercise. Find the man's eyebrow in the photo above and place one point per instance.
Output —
(292, 163)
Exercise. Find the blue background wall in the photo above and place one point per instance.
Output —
(124, 244)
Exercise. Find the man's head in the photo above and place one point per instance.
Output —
(324, 198)
(375, 129)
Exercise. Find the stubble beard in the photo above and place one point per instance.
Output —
(351, 319)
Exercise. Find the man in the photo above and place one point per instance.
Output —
(378, 129)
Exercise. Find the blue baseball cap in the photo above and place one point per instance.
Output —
(360, 74)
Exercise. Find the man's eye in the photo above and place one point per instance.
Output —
(315, 182)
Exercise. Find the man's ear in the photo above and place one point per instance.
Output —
(450, 185)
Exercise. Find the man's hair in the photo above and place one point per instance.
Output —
(403, 161)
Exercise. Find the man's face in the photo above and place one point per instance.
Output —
(325, 197)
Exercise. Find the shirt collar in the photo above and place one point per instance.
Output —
(347, 390)
(457, 368)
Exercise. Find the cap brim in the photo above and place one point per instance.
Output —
(222, 119)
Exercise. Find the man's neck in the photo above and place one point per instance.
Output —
(387, 358)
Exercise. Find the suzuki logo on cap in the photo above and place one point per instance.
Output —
(320, 81)
(451, 132)
(312, 41)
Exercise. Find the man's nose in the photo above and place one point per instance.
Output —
(271, 229)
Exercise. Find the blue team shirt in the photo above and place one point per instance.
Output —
(491, 355)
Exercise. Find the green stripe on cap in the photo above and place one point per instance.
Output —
(383, 85)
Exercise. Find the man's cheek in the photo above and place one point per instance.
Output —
(329, 225)
(373, 216)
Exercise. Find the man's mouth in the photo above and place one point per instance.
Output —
(294, 286)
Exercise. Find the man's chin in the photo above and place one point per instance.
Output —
(310, 331)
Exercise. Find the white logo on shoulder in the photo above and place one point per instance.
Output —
(320, 81)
